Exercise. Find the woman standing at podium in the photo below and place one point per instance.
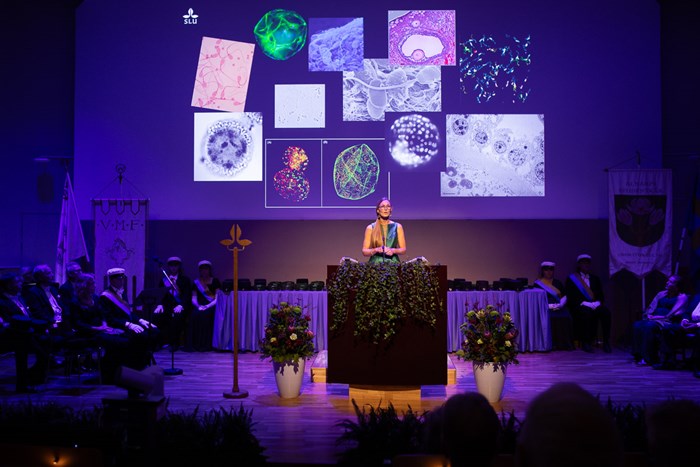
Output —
(384, 239)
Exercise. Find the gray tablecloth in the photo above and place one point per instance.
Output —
(528, 309)
(253, 308)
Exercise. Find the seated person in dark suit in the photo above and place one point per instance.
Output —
(685, 333)
(586, 302)
(665, 311)
(559, 316)
(91, 321)
(143, 335)
(173, 312)
(44, 305)
(67, 290)
(19, 333)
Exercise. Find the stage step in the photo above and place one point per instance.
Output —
(320, 364)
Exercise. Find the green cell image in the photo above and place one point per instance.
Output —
(355, 172)
(281, 33)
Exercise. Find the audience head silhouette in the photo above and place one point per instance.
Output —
(565, 426)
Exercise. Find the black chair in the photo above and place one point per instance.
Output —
(482, 285)
(289, 285)
(317, 286)
(274, 285)
(227, 285)
(459, 284)
(245, 284)
(521, 283)
(260, 284)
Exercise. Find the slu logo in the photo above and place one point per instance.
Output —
(190, 17)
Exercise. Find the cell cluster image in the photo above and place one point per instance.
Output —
(380, 87)
(493, 69)
(228, 146)
(281, 34)
(291, 182)
(336, 44)
(413, 140)
(494, 155)
(422, 37)
(355, 172)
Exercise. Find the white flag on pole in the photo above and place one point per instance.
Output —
(71, 242)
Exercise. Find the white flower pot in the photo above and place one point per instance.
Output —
(489, 383)
(289, 378)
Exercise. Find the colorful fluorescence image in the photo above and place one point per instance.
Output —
(300, 106)
(355, 172)
(413, 141)
(336, 44)
(227, 146)
(223, 74)
(380, 87)
(422, 37)
(498, 70)
(281, 34)
(292, 173)
(494, 155)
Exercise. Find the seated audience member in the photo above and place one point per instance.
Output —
(201, 327)
(664, 310)
(91, 321)
(172, 313)
(684, 334)
(559, 316)
(469, 417)
(143, 335)
(67, 289)
(566, 426)
(44, 305)
(586, 302)
(673, 428)
(20, 333)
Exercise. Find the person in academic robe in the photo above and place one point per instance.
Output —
(559, 317)
(587, 304)
(200, 330)
(142, 334)
(21, 334)
(172, 313)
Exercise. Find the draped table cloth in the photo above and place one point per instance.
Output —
(528, 309)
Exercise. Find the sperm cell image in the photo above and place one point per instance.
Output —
(336, 44)
(355, 172)
(291, 182)
(228, 146)
(495, 69)
(413, 140)
(494, 155)
(422, 37)
(380, 87)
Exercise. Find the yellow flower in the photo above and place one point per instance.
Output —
(507, 343)
(293, 336)
(479, 341)
(273, 339)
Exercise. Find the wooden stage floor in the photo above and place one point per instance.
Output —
(304, 430)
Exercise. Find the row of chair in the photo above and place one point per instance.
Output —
(262, 284)
(504, 283)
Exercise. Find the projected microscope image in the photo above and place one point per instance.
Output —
(494, 155)
(336, 44)
(423, 37)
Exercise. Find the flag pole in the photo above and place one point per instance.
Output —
(234, 244)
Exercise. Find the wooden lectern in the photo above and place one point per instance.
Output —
(415, 356)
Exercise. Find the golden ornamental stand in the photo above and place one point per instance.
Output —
(234, 244)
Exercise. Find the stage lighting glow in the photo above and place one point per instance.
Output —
(356, 172)
(281, 34)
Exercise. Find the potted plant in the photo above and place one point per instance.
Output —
(288, 342)
(490, 343)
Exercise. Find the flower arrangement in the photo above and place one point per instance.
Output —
(489, 337)
(287, 334)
